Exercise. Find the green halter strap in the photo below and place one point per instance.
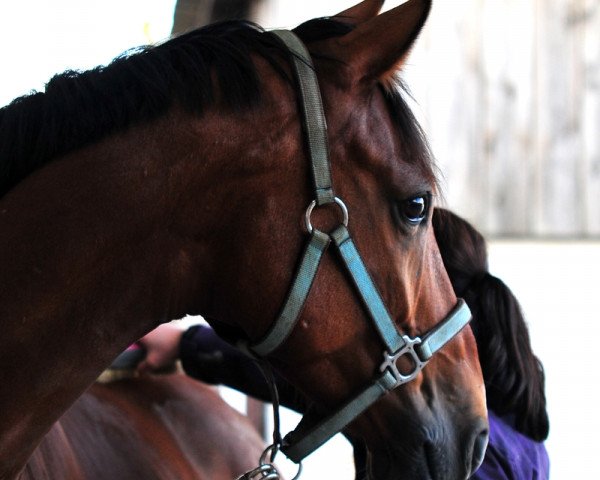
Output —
(307, 438)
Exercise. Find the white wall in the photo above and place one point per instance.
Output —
(558, 285)
(39, 38)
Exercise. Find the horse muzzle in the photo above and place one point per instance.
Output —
(429, 453)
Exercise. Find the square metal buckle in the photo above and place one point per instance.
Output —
(389, 361)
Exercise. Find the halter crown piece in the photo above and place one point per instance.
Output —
(312, 434)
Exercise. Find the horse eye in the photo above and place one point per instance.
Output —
(415, 209)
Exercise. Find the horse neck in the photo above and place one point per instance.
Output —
(91, 260)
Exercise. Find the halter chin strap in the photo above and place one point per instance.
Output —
(307, 438)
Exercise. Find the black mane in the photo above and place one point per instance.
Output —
(80, 108)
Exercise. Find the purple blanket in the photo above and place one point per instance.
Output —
(512, 456)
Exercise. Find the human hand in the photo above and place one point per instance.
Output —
(162, 347)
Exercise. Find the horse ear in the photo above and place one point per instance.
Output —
(376, 48)
(365, 10)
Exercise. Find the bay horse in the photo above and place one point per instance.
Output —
(174, 181)
(148, 427)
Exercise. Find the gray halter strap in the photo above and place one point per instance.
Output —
(304, 440)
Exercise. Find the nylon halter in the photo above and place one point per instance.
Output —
(303, 441)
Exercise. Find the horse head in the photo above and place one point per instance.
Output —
(435, 425)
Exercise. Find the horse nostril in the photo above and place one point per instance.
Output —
(479, 448)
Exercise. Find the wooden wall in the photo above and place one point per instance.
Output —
(509, 93)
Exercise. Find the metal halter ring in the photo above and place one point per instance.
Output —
(313, 204)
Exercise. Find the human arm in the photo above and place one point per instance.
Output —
(206, 357)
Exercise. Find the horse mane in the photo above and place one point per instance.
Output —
(81, 108)
(514, 376)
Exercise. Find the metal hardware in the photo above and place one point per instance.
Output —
(266, 470)
(313, 204)
(389, 361)
(268, 454)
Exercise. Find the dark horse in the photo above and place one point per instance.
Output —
(174, 181)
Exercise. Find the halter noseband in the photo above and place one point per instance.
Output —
(303, 441)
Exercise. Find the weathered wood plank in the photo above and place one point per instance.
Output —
(559, 106)
(445, 76)
(591, 116)
(509, 93)
(508, 73)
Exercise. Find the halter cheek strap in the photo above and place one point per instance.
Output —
(310, 434)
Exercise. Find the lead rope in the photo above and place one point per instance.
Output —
(266, 469)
